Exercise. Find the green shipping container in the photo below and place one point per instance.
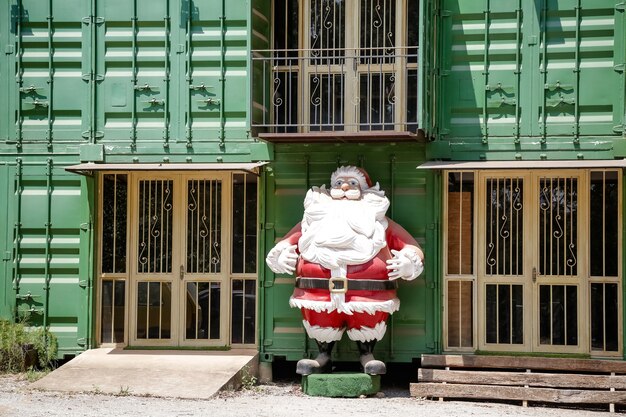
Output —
(531, 73)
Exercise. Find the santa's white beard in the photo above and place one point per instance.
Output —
(338, 233)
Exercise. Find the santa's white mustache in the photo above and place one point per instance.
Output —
(337, 193)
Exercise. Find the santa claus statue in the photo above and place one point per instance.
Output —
(347, 256)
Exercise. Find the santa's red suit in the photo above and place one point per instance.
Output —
(364, 312)
(346, 255)
(343, 249)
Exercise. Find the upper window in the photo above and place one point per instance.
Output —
(343, 65)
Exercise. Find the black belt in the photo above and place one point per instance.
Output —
(342, 284)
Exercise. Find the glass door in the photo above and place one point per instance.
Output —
(204, 298)
(155, 260)
(179, 279)
(504, 279)
(529, 274)
(557, 272)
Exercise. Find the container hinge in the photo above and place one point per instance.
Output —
(268, 284)
(268, 342)
(34, 104)
(83, 283)
(619, 68)
(6, 256)
(443, 12)
(444, 131)
(30, 89)
(27, 296)
(146, 87)
(502, 102)
(499, 87)
(85, 226)
(93, 19)
(90, 76)
(557, 86)
(82, 341)
(9, 49)
(268, 226)
(31, 310)
(619, 129)
(560, 101)
(620, 6)
(92, 134)
(209, 101)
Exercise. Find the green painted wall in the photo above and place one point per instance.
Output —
(414, 196)
(541, 79)
(106, 81)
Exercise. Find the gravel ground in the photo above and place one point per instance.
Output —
(277, 399)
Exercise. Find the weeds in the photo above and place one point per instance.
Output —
(22, 349)
(248, 380)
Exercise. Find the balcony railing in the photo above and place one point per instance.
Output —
(336, 90)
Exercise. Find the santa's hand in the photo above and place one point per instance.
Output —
(282, 258)
(405, 264)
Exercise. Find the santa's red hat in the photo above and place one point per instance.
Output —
(353, 172)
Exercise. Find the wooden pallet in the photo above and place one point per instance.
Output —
(508, 378)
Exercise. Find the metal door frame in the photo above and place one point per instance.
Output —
(178, 277)
(531, 259)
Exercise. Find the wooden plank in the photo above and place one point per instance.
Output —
(524, 362)
(491, 392)
(522, 378)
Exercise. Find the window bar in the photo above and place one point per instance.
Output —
(551, 321)
(544, 190)
(245, 218)
(604, 329)
(209, 309)
(501, 185)
(604, 224)
(243, 310)
(565, 318)
(460, 314)
(569, 232)
(488, 214)
(511, 234)
(114, 282)
(160, 310)
(202, 266)
(160, 220)
(114, 222)
(460, 253)
(497, 313)
(198, 310)
(517, 231)
(149, 229)
(147, 310)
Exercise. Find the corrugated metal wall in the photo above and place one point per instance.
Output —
(126, 71)
(105, 81)
(414, 200)
(46, 240)
(545, 71)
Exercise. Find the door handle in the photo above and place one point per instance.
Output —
(534, 274)
(182, 272)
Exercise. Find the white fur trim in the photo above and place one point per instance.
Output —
(370, 307)
(367, 334)
(323, 334)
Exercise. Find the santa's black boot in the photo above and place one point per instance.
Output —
(371, 365)
(322, 364)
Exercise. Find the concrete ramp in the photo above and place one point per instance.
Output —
(160, 373)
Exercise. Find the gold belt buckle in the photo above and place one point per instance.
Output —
(331, 285)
